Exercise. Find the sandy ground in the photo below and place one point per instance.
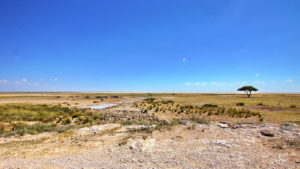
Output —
(182, 146)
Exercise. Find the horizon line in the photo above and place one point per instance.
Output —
(145, 92)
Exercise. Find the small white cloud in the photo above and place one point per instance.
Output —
(205, 83)
(18, 82)
(241, 82)
(24, 80)
(184, 59)
(196, 83)
(258, 82)
(34, 84)
(289, 80)
(3, 81)
(55, 79)
(219, 83)
(273, 82)
(257, 75)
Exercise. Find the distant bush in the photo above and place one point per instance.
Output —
(149, 99)
(2, 128)
(66, 121)
(240, 104)
(114, 97)
(261, 119)
(167, 102)
(293, 106)
(200, 120)
(260, 104)
(210, 105)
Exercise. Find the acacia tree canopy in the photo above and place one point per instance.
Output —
(248, 90)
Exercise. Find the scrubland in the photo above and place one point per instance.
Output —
(58, 126)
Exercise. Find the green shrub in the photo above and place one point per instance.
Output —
(19, 128)
(39, 128)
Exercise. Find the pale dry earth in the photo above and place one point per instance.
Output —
(181, 146)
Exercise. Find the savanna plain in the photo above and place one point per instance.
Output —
(149, 130)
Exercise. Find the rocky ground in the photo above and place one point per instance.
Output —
(186, 145)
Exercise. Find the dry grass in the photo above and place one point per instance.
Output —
(20, 119)
(275, 108)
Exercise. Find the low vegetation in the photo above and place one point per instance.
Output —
(19, 119)
(195, 111)
(240, 104)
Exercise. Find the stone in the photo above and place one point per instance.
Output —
(166, 122)
(267, 133)
(235, 126)
(184, 122)
(287, 126)
(222, 125)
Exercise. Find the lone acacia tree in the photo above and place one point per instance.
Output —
(248, 90)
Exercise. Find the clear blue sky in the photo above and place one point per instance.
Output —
(149, 45)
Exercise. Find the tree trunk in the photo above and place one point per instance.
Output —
(249, 94)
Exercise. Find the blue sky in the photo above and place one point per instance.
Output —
(142, 45)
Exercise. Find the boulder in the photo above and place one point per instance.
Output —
(267, 133)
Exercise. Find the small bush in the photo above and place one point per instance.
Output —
(66, 121)
(260, 104)
(122, 143)
(200, 120)
(2, 128)
(293, 106)
(150, 99)
(39, 128)
(210, 105)
(19, 128)
(167, 102)
(240, 104)
(142, 130)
